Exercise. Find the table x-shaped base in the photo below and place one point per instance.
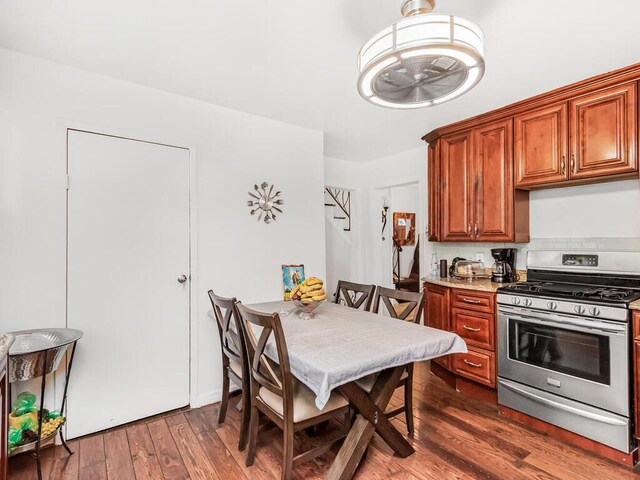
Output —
(370, 419)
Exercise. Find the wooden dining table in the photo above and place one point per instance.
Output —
(341, 345)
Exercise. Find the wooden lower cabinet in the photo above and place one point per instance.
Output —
(471, 315)
(4, 408)
(473, 300)
(478, 365)
(476, 328)
(436, 312)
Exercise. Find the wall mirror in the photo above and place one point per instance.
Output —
(404, 228)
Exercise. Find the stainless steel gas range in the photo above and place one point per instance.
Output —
(564, 344)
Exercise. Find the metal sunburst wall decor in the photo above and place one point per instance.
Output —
(265, 202)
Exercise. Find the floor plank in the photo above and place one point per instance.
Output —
(65, 466)
(92, 461)
(456, 437)
(118, 453)
(143, 455)
(193, 453)
(171, 463)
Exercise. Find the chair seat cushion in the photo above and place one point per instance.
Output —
(366, 383)
(236, 366)
(304, 402)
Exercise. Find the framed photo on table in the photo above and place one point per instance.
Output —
(292, 275)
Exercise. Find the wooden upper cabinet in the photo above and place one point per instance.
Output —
(494, 191)
(456, 170)
(541, 137)
(433, 186)
(603, 132)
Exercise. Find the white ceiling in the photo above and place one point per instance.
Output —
(295, 61)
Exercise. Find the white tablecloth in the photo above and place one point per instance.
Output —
(342, 344)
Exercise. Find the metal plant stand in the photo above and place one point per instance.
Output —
(36, 353)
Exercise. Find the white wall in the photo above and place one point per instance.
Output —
(604, 210)
(235, 255)
(371, 181)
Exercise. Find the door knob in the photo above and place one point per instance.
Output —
(182, 279)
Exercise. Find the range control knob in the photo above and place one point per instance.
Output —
(595, 311)
(579, 309)
(527, 302)
(515, 300)
(552, 305)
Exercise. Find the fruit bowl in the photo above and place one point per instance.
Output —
(306, 308)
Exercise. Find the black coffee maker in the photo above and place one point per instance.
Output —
(504, 267)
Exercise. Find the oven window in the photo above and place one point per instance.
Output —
(583, 355)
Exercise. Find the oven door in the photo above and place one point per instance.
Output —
(583, 359)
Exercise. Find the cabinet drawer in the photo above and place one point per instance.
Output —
(471, 300)
(476, 328)
(636, 325)
(476, 365)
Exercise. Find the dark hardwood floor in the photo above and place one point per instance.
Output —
(457, 437)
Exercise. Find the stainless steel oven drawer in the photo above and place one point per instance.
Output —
(599, 425)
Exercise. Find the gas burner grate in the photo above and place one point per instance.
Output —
(604, 293)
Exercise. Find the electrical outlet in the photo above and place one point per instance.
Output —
(480, 257)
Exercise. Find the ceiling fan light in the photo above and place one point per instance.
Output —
(433, 56)
(386, 104)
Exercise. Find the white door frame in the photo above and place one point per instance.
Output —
(63, 126)
(421, 224)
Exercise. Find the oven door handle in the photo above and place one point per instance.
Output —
(560, 321)
(567, 408)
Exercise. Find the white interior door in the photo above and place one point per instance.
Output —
(128, 242)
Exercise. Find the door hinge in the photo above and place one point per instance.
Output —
(67, 182)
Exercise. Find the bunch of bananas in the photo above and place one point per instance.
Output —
(51, 426)
(311, 290)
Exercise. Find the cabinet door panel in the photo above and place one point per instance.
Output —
(433, 167)
(603, 133)
(437, 313)
(477, 365)
(541, 138)
(476, 329)
(494, 176)
(456, 169)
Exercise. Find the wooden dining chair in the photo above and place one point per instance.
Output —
(276, 394)
(354, 295)
(235, 362)
(405, 306)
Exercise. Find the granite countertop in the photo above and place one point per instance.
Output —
(635, 305)
(480, 284)
(5, 344)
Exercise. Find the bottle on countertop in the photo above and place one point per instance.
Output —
(434, 264)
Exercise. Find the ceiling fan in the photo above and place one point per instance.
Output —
(422, 60)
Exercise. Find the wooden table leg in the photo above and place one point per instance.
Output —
(370, 418)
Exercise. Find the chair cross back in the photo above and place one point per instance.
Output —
(263, 371)
(228, 321)
(412, 301)
(354, 294)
